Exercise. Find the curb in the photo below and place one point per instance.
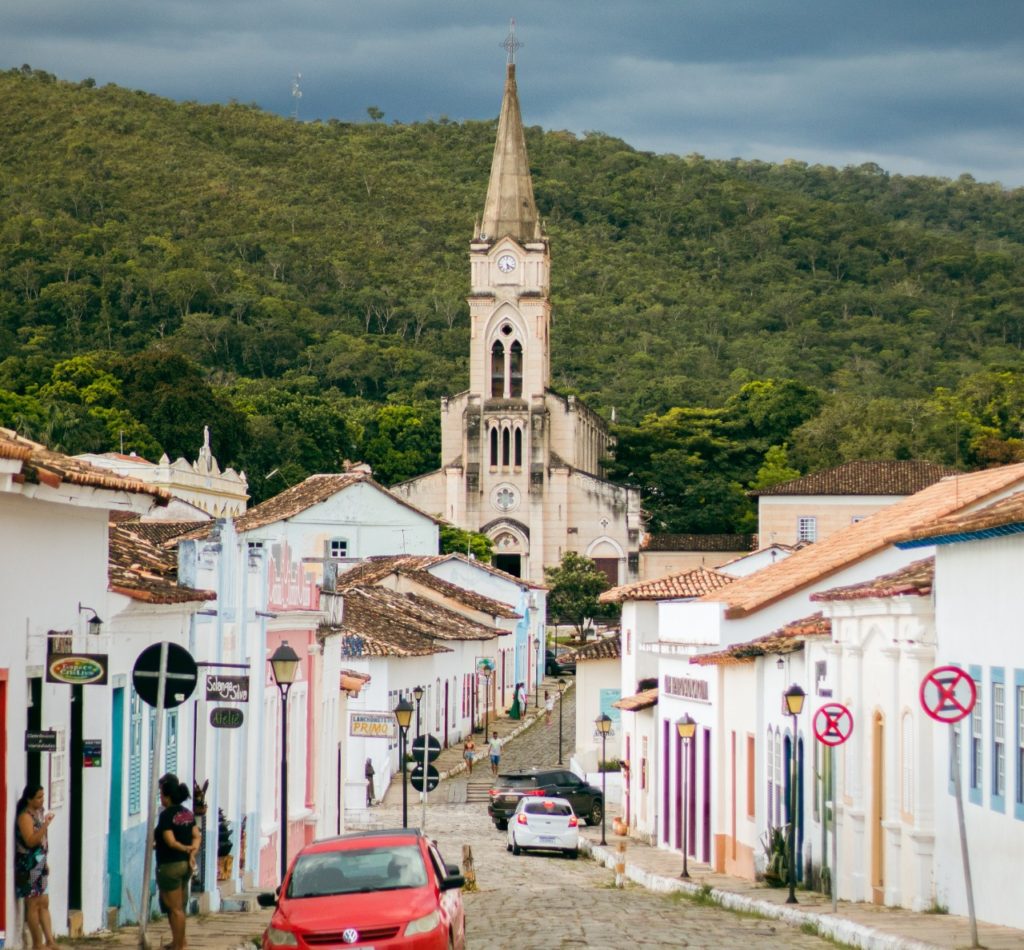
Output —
(837, 928)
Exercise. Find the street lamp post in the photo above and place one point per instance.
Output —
(794, 698)
(561, 693)
(537, 677)
(604, 726)
(487, 701)
(686, 727)
(417, 694)
(285, 665)
(403, 716)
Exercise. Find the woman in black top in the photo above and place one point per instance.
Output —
(176, 844)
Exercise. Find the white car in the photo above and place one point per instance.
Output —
(544, 824)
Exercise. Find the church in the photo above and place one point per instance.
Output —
(519, 462)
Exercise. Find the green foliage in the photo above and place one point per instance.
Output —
(775, 470)
(456, 541)
(300, 288)
(574, 587)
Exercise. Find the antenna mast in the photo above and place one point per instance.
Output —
(296, 95)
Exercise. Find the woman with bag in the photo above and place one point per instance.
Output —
(31, 871)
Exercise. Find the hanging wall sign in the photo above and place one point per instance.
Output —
(226, 717)
(77, 669)
(227, 689)
(92, 753)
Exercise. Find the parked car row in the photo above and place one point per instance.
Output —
(512, 786)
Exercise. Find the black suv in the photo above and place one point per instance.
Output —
(510, 787)
(557, 664)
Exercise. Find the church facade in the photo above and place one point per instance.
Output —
(521, 463)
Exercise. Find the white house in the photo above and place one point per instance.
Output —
(54, 513)
(978, 604)
(598, 689)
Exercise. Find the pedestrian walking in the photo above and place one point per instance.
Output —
(549, 707)
(494, 751)
(469, 753)
(177, 840)
(31, 871)
(369, 773)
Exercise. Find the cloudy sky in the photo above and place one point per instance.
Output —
(918, 86)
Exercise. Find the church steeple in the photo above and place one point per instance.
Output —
(509, 210)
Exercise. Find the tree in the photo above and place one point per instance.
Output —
(456, 541)
(574, 587)
(775, 469)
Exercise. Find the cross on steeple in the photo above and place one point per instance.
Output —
(511, 44)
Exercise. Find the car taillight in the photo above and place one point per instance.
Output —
(574, 822)
(536, 792)
(493, 792)
(522, 818)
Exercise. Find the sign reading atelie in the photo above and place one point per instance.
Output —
(227, 689)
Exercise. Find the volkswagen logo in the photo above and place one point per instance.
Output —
(350, 935)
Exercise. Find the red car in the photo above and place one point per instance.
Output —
(374, 889)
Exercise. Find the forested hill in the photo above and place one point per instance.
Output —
(300, 288)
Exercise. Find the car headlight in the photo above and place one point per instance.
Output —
(281, 938)
(423, 925)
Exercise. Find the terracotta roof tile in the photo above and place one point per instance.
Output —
(470, 598)
(916, 578)
(691, 583)
(370, 621)
(787, 639)
(43, 466)
(699, 542)
(141, 570)
(158, 532)
(864, 478)
(432, 618)
(1005, 516)
(815, 563)
(642, 700)
(606, 648)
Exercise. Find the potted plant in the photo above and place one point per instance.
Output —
(776, 871)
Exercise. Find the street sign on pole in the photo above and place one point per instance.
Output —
(833, 724)
(178, 672)
(432, 744)
(948, 694)
(416, 777)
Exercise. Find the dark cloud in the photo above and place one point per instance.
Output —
(919, 86)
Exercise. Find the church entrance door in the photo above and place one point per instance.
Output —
(509, 563)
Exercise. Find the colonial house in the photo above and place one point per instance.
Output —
(598, 690)
(979, 557)
(520, 462)
(54, 512)
(267, 568)
(815, 506)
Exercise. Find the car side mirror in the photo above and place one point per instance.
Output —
(266, 899)
(451, 869)
(452, 881)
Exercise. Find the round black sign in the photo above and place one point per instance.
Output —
(433, 747)
(416, 777)
(180, 675)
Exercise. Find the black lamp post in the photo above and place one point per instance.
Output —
(686, 727)
(561, 692)
(794, 698)
(604, 726)
(537, 677)
(403, 716)
(285, 665)
(417, 694)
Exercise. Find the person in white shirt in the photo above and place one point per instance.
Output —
(494, 751)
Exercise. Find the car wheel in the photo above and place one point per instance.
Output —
(573, 854)
(516, 850)
(596, 814)
(508, 845)
(501, 824)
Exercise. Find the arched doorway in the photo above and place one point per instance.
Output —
(511, 545)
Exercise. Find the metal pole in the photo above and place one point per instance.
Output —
(792, 820)
(487, 702)
(604, 783)
(417, 717)
(148, 855)
(424, 793)
(958, 788)
(284, 779)
(561, 693)
(405, 791)
(835, 826)
(686, 805)
(536, 679)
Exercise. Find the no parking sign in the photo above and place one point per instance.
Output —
(833, 724)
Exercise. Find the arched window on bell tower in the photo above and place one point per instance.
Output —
(497, 370)
(518, 448)
(515, 370)
(506, 447)
(494, 446)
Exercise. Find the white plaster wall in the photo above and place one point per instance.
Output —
(591, 677)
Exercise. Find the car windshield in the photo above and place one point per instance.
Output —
(561, 809)
(517, 781)
(358, 871)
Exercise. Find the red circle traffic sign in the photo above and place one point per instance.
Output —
(833, 724)
(948, 694)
